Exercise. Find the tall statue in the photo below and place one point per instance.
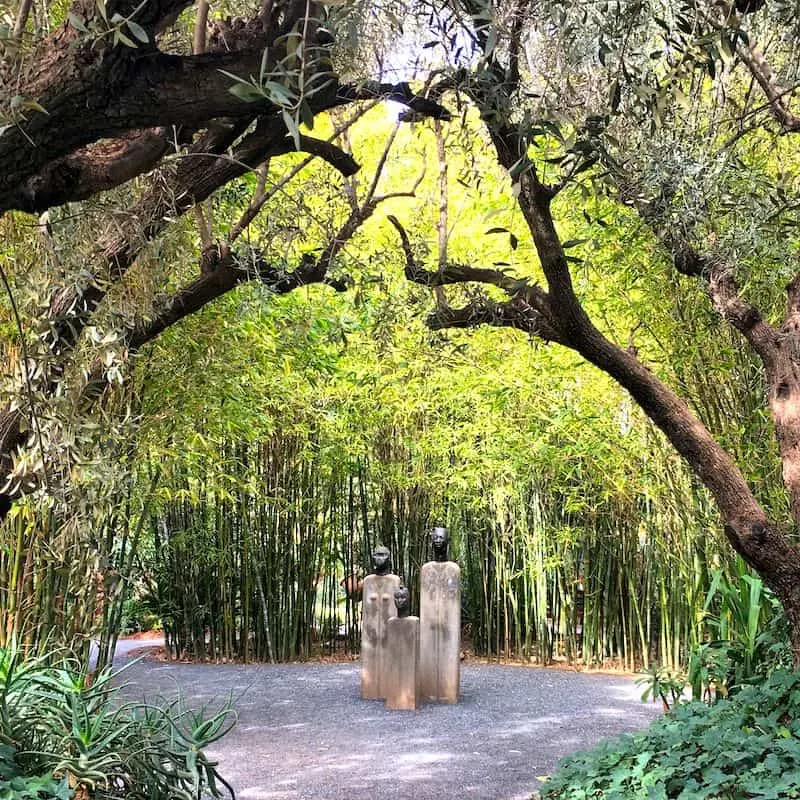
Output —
(402, 685)
(440, 624)
(377, 606)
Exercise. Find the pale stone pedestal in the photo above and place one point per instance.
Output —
(440, 631)
(402, 682)
(377, 607)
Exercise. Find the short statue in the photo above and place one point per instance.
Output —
(402, 682)
(377, 607)
(440, 624)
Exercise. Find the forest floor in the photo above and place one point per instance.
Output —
(304, 732)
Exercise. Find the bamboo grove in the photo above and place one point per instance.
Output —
(266, 445)
(256, 563)
(596, 549)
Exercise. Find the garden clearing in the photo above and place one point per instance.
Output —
(304, 732)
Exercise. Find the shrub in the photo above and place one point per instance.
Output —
(747, 746)
(752, 641)
(60, 732)
(751, 636)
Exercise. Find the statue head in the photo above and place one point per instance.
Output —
(381, 560)
(402, 599)
(439, 542)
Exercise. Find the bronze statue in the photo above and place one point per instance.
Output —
(376, 609)
(402, 656)
(402, 599)
(440, 624)
(381, 560)
(439, 542)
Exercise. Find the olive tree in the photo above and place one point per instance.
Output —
(164, 107)
(116, 91)
(654, 104)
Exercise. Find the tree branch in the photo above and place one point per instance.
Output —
(516, 313)
(228, 272)
(328, 151)
(398, 92)
(22, 18)
(792, 321)
(776, 95)
(729, 304)
(750, 531)
(90, 170)
(154, 14)
(193, 181)
(528, 310)
(451, 273)
(719, 275)
(348, 166)
(161, 91)
(41, 177)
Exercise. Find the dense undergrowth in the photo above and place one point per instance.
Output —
(64, 736)
(738, 738)
(746, 746)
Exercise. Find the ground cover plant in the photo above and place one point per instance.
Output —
(747, 746)
(739, 735)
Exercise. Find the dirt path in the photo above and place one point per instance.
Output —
(304, 732)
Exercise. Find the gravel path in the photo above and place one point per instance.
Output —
(304, 732)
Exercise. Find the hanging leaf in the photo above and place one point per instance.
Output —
(246, 92)
(306, 115)
(79, 23)
(520, 167)
(138, 31)
(119, 36)
(279, 94)
(291, 127)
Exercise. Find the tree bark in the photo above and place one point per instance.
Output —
(90, 170)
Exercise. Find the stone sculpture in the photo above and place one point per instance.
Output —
(402, 681)
(440, 624)
(377, 607)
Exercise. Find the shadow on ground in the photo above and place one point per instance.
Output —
(304, 731)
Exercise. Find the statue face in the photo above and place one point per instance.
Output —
(402, 599)
(439, 538)
(380, 560)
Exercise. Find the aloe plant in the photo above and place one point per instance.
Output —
(59, 730)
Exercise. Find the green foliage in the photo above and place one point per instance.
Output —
(545, 472)
(744, 747)
(662, 684)
(749, 635)
(748, 642)
(16, 786)
(376, 427)
(138, 615)
(59, 730)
